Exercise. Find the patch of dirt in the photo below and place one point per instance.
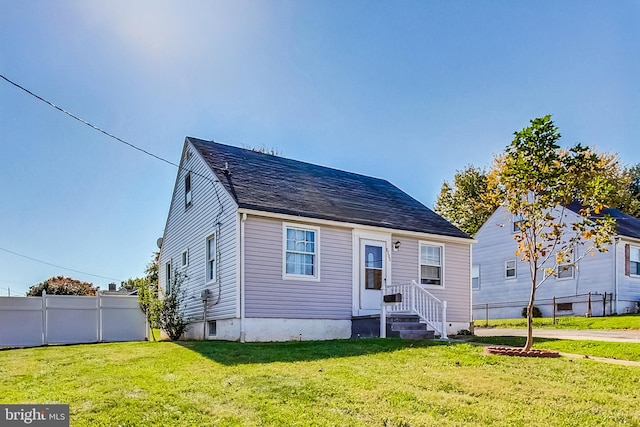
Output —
(517, 351)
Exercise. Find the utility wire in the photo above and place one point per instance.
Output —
(87, 123)
(59, 266)
(110, 135)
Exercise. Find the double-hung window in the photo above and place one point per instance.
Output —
(211, 258)
(475, 277)
(510, 269)
(187, 190)
(565, 271)
(300, 252)
(430, 264)
(634, 260)
(167, 278)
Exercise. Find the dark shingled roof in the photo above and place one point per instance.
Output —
(626, 225)
(274, 184)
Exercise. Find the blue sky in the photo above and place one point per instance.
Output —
(409, 91)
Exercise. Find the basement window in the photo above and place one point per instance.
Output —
(564, 306)
(212, 327)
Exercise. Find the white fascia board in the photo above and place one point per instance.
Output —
(394, 231)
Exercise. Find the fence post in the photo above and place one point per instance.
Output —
(604, 304)
(44, 317)
(554, 310)
(99, 316)
(589, 305)
(486, 314)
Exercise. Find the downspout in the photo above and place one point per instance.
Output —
(243, 219)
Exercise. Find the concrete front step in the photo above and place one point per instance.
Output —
(406, 326)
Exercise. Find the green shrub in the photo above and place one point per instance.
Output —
(536, 312)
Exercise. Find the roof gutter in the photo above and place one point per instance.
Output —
(334, 223)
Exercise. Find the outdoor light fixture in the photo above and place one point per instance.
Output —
(396, 245)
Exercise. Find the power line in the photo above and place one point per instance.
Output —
(59, 266)
(86, 122)
(110, 135)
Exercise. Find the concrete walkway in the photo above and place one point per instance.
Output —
(620, 335)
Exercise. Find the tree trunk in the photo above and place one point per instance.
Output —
(529, 342)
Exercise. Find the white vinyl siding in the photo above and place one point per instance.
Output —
(506, 296)
(189, 228)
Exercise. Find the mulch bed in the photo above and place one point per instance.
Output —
(517, 351)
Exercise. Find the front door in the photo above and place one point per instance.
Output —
(372, 273)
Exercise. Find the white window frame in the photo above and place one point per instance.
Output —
(475, 274)
(442, 262)
(316, 255)
(515, 269)
(634, 258)
(184, 258)
(208, 260)
(570, 268)
(167, 277)
(517, 219)
(188, 194)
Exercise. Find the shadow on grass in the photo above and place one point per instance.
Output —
(234, 353)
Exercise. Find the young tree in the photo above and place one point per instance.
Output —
(171, 316)
(539, 180)
(149, 302)
(61, 285)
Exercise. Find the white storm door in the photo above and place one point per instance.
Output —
(372, 273)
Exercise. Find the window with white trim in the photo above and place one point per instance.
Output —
(187, 190)
(300, 252)
(475, 277)
(510, 269)
(167, 278)
(517, 223)
(430, 264)
(184, 258)
(634, 261)
(564, 271)
(211, 258)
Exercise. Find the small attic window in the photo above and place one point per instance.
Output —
(187, 155)
(187, 190)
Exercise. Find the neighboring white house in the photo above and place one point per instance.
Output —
(277, 249)
(501, 282)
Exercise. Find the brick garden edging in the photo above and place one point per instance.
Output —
(517, 351)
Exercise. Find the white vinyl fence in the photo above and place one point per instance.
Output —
(68, 319)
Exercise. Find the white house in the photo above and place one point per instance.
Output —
(277, 249)
(501, 282)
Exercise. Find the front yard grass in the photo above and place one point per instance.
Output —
(369, 382)
(623, 321)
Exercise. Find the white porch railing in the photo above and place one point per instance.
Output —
(419, 301)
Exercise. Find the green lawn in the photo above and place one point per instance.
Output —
(337, 383)
(623, 321)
